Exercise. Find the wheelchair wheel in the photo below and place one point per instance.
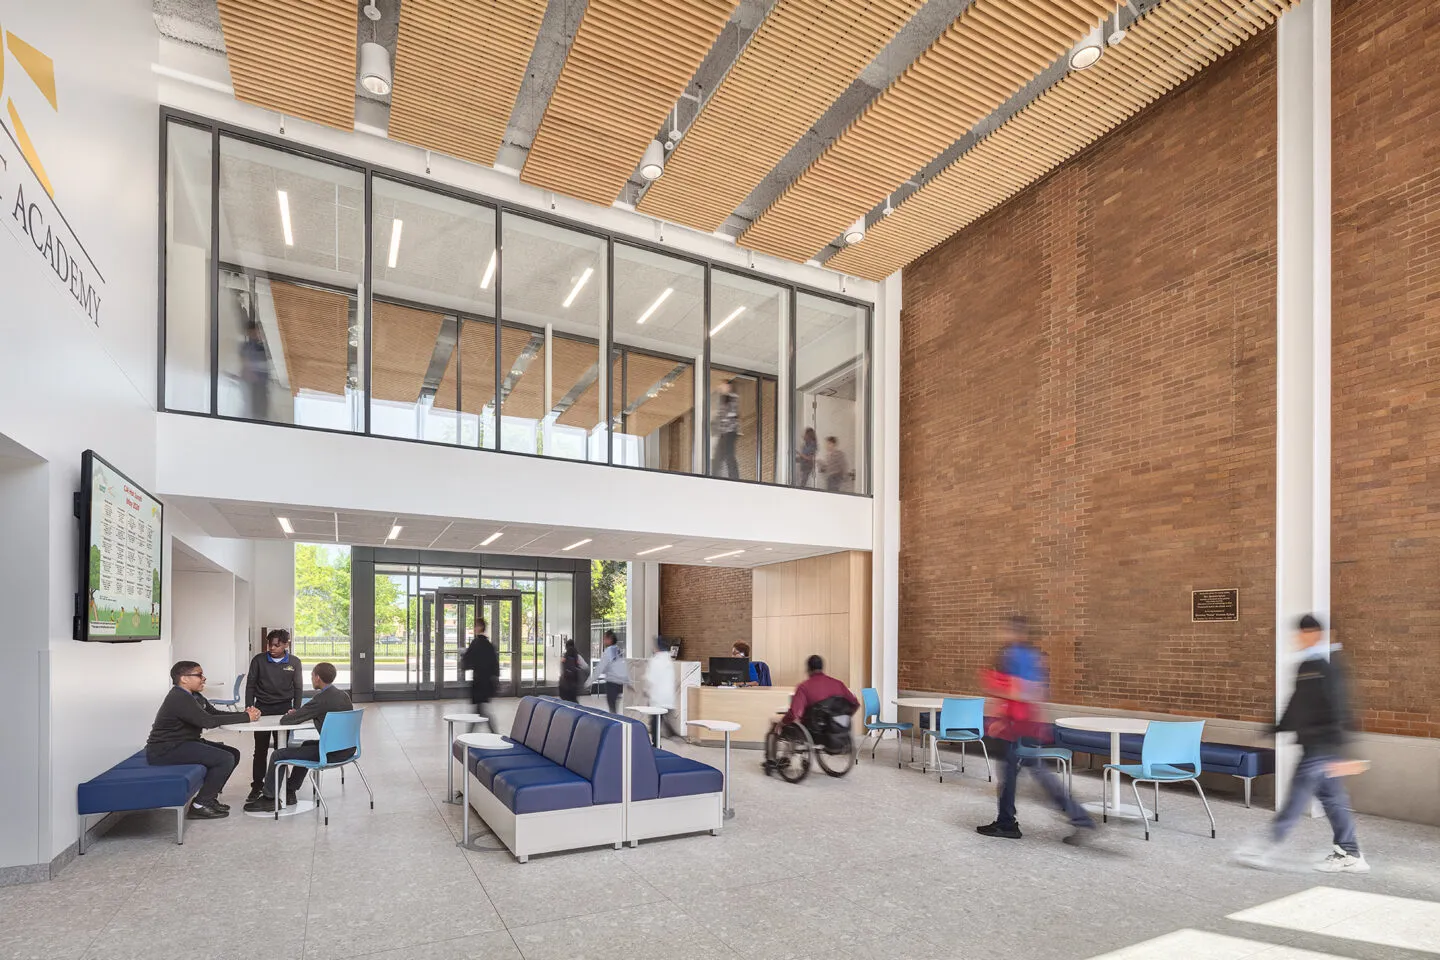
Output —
(837, 764)
(788, 753)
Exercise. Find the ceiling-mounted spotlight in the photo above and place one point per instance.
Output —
(856, 233)
(653, 163)
(1118, 33)
(375, 74)
(1087, 52)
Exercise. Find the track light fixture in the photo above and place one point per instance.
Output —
(1088, 52)
(375, 75)
(652, 165)
(856, 233)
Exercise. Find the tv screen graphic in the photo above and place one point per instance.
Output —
(121, 527)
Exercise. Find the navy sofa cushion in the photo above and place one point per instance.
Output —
(486, 768)
(478, 753)
(133, 784)
(683, 777)
(557, 741)
(540, 718)
(538, 789)
(521, 724)
(644, 777)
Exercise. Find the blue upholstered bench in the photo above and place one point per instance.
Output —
(1243, 762)
(561, 785)
(133, 784)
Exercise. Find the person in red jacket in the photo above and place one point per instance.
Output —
(816, 686)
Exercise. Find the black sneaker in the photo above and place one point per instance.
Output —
(255, 794)
(290, 799)
(222, 807)
(1081, 835)
(997, 829)
(261, 804)
(205, 811)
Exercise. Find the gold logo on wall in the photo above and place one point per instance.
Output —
(41, 71)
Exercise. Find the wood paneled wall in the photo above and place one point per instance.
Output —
(820, 605)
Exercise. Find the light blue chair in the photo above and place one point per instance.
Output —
(340, 731)
(1063, 757)
(1168, 748)
(962, 721)
(870, 703)
(234, 694)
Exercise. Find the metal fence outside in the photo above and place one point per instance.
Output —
(597, 635)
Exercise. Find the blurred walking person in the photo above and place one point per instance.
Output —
(612, 671)
(727, 430)
(484, 666)
(835, 465)
(1019, 682)
(1319, 715)
(805, 459)
(573, 671)
(255, 371)
(660, 688)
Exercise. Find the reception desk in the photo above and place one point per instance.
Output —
(754, 708)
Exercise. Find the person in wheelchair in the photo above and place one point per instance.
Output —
(817, 724)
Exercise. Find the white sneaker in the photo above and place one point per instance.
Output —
(1341, 862)
(1258, 853)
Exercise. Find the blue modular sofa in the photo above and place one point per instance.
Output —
(1243, 762)
(579, 777)
(133, 784)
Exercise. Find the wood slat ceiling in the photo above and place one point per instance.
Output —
(458, 68)
(314, 335)
(673, 401)
(296, 57)
(404, 344)
(988, 54)
(573, 361)
(628, 65)
(1168, 45)
(800, 60)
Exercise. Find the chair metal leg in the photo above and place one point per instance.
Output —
(989, 774)
(80, 842)
(1104, 795)
(321, 797)
(276, 786)
(962, 756)
(1157, 801)
(1201, 791)
(1135, 785)
(1247, 790)
(364, 781)
(180, 824)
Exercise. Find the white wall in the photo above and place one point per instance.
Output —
(273, 585)
(203, 628)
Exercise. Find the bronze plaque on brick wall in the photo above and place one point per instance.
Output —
(1214, 605)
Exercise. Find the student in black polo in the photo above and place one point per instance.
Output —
(175, 737)
(328, 698)
(273, 686)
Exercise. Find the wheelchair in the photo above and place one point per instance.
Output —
(824, 736)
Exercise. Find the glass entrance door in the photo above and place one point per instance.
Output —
(450, 619)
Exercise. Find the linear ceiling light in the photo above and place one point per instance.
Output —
(856, 233)
(652, 165)
(578, 543)
(653, 550)
(489, 272)
(394, 532)
(491, 539)
(396, 226)
(285, 217)
(285, 525)
(722, 556)
(656, 305)
(721, 325)
(1088, 52)
(575, 291)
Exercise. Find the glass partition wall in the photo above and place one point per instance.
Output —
(308, 290)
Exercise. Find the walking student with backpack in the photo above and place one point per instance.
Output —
(573, 672)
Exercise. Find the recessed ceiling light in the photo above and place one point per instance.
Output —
(653, 550)
(394, 532)
(396, 226)
(722, 556)
(856, 233)
(1088, 52)
(578, 543)
(492, 538)
(285, 217)
(721, 325)
(653, 163)
(285, 525)
(489, 272)
(656, 305)
(375, 74)
(575, 291)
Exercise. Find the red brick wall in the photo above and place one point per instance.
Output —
(710, 607)
(1088, 415)
(1386, 359)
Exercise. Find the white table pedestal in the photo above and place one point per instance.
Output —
(487, 741)
(726, 727)
(1114, 726)
(451, 796)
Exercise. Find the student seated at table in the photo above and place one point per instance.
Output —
(329, 698)
(175, 738)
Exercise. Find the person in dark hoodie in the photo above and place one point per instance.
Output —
(175, 738)
(484, 666)
(1319, 715)
(328, 699)
(273, 685)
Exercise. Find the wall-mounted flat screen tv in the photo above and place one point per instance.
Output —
(121, 556)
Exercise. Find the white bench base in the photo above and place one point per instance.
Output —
(673, 816)
(552, 830)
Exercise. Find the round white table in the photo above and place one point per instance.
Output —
(930, 705)
(267, 725)
(654, 713)
(727, 727)
(450, 720)
(1114, 726)
(483, 741)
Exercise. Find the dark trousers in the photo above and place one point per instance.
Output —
(264, 741)
(301, 751)
(218, 759)
(484, 710)
(725, 456)
(1312, 780)
(1048, 780)
(612, 695)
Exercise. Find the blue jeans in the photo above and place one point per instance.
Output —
(1048, 780)
(1311, 780)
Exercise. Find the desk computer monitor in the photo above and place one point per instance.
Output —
(729, 670)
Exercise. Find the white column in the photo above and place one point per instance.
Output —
(642, 607)
(885, 552)
(1302, 427)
